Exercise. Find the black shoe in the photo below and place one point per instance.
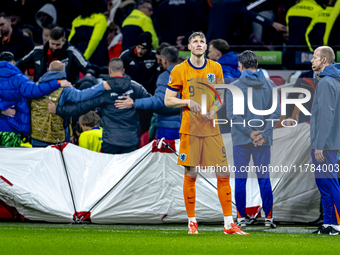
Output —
(322, 230)
(332, 231)
(317, 222)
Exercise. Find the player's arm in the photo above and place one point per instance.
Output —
(171, 100)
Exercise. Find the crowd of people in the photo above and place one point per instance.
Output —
(105, 73)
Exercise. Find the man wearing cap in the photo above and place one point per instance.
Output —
(15, 88)
(140, 64)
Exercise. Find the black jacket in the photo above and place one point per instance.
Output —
(120, 126)
(19, 44)
(142, 70)
(74, 62)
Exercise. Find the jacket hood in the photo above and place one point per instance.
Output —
(50, 10)
(57, 75)
(229, 59)
(119, 84)
(331, 71)
(8, 70)
(253, 79)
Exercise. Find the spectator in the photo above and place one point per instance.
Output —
(46, 15)
(57, 48)
(140, 64)
(175, 21)
(47, 128)
(124, 9)
(12, 39)
(168, 119)
(88, 33)
(230, 13)
(120, 127)
(91, 137)
(324, 136)
(158, 55)
(114, 39)
(137, 22)
(15, 88)
(255, 141)
(332, 36)
(219, 52)
(68, 10)
(316, 29)
(47, 32)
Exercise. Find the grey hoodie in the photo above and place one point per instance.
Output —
(325, 119)
(50, 10)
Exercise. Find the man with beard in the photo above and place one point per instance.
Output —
(12, 39)
(57, 48)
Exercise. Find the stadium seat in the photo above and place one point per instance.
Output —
(144, 139)
(278, 80)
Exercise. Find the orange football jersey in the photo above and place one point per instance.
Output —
(191, 83)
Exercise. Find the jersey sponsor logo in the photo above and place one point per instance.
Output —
(183, 157)
(211, 77)
(132, 63)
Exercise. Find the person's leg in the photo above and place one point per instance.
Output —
(37, 143)
(241, 155)
(110, 149)
(127, 149)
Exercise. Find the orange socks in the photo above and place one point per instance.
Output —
(224, 194)
(189, 192)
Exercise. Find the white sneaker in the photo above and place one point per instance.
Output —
(269, 223)
(242, 222)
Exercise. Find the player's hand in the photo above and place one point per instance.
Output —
(254, 134)
(279, 27)
(319, 155)
(124, 104)
(52, 108)
(10, 112)
(106, 85)
(210, 115)
(194, 107)
(65, 83)
(290, 122)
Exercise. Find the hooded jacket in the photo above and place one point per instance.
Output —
(15, 88)
(167, 117)
(229, 63)
(48, 9)
(262, 100)
(120, 126)
(69, 55)
(325, 119)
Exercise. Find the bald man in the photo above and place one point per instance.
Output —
(47, 128)
(325, 137)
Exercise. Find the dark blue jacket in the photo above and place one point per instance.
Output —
(167, 117)
(325, 119)
(15, 88)
(262, 100)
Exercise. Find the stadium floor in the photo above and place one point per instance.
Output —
(43, 238)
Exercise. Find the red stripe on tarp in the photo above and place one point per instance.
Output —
(63, 145)
(5, 180)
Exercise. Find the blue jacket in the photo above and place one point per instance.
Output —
(167, 117)
(325, 119)
(262, 100)
(15, 88)
(71, 94)
(229, 63)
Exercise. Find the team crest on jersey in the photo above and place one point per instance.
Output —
(211, 77)
(183, 157)
(170, 79)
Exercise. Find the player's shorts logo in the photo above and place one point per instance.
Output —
(211, 77)
(183, 157)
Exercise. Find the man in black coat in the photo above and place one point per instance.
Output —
(12, 39)
(120, 126)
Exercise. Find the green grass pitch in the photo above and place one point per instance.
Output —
(29, 238)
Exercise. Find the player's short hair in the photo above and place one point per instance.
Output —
(171, 54)
(116, 64)
(328, 53)
(161, 47)
(90, 119)
(56, 66)
(142, 2)
(194, 34)
(221, 45)
(248, 59)
(57, 33)
(6, 56)
(4, 15)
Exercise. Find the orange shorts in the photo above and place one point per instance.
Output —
(202, 151)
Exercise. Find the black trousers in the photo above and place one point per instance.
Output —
(112, 149)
